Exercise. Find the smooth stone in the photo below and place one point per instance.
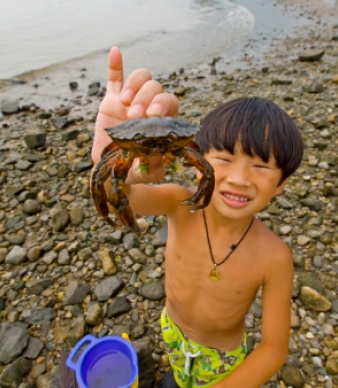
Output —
(76, 292)
(13, 340)
(314, 300)
(108, 287)
(35, 140)
(311, 55)
(118, 307)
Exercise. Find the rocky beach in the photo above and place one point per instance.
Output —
(65, 273)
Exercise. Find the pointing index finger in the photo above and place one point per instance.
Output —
(115, 71)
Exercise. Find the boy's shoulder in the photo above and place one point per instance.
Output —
(270, 245)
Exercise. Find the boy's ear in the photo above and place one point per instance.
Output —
(280, 187)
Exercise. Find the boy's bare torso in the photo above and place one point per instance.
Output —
(213, 313)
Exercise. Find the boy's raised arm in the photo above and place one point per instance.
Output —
(139, 96)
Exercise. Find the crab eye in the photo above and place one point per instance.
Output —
(172, 135)
(138, 137)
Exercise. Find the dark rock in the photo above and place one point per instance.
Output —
(13, 375)
(73, 85)
(60, 218)
(34, 140)
(94, 88)
(83, 166)
(38, 316)
(13, 340)
(146, 363)
(281, 81)
(309, 279)
(35, 345)
(292, 376)
(62, 122)
(153, 290)
(23, 165)
(160, 237)
(76, 292)
(14, 189)
(108, 287)
(130, 240)
(71, 135)
(118, 307)
(36, 286)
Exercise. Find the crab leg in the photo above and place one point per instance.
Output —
(207, 182)
(116, 197)
(100, 175)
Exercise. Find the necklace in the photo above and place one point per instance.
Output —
(214, 273)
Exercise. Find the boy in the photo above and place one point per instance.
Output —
(216, 258)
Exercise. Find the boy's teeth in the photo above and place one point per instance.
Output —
(236, 198)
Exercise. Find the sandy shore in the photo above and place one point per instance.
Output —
(58, 258)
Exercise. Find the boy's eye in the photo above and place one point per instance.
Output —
(261, 166)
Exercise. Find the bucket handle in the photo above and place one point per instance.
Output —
(86, 339)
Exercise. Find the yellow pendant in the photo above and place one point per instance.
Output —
(214, 274)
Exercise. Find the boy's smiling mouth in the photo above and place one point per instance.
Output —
(235, 198)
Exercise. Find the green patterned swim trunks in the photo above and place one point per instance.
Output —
(194, 365)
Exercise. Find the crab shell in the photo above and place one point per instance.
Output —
(143, 138)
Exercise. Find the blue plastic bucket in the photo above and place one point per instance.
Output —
(107, 362)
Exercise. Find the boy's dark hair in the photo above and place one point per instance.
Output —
(261, 128)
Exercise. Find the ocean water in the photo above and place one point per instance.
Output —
(38, 34)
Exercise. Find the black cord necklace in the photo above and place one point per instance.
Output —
(214, 273)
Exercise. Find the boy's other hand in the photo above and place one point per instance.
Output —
(139, 96)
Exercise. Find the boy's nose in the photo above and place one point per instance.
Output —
(239, 176)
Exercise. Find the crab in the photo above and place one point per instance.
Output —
(143, 138)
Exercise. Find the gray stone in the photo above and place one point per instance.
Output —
(153, 290)
(31, 206)
(76, 215)
(17, 255)
(23, 165)
(160, 237)
(130, 240)
(36, 286)
(70, 135)
(108, 287)
(146, 363)
(13, 340)
(118, 307)
(309, 279)
(76, 292)
(10, 107)
(34, 140)
(35, 345)
(60, 218)
(13, 375)
(62, 122)
(38, 316)
(137, 256)
(83, 166)
(292, 376)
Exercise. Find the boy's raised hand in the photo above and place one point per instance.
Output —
(139, 96)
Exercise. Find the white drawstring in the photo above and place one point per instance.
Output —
(188, 356)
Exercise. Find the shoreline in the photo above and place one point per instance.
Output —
(46, 87)
(66, 273)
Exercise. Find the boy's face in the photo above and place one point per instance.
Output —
(244, 185)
